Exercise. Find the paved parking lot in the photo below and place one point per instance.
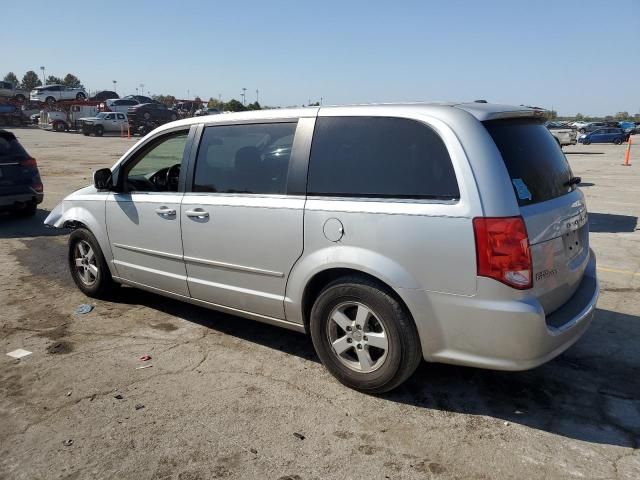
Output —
(230, 398)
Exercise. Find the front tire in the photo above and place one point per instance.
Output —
(81, 96)
(617, 141)
(88, 267)
(364, 336)
(99, 131)
(50, 100)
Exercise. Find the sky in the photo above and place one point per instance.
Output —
(570, 55)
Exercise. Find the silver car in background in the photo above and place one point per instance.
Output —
(391, 233)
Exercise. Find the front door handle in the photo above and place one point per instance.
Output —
(165, 211)
(196, 213)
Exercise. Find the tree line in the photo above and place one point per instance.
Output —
(30, 80)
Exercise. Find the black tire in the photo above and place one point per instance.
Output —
(20, 98)
(99, 130)
(403, 354)
(582, 130)
(81, 96)
(102, 285)
(59, 127)
(26, 211)
(586, 142)
(50, 100)
(617, 141)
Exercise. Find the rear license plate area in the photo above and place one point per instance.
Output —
(572, 243)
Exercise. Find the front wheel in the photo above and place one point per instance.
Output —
(87, 265)
(364, 336)
(99, 131)
(586, 142)
(617, 141)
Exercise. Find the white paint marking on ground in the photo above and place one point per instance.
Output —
(19, 353)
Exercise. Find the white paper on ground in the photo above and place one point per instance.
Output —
(19, 353)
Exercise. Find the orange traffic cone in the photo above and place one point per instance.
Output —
(628, 154)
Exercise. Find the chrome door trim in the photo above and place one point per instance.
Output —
(173, 256)
(232, 266)
(298, 327)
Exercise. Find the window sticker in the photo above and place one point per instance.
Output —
(521, 189)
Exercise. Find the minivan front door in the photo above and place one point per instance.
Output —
(143, 221)
(241, 231)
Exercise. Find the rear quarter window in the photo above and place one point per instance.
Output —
(379, 157)
(538, 169)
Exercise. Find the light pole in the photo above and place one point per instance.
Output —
(244, 96)
(114, 85)
(43, 80)
(142, 89)
(257, 96)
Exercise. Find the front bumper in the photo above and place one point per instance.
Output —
(490, 330)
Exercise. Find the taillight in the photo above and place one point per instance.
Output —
(502, 250)
(29, 163)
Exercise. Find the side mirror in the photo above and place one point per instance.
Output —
(103, 179)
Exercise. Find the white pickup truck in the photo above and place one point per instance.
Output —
(105, 122)
(563, 133)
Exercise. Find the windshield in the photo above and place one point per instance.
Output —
(102, 115)
(538, 169)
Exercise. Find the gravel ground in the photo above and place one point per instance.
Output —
(229, 398)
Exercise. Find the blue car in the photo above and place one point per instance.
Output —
(604, 135)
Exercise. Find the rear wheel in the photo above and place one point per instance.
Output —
(617, 141)
(20, 98)
(59, 127)
(364, 336)
(87, 265)
(81, 96)
(50, 100)
(99, 130)
(582, 130)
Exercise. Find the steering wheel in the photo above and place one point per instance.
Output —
(172, 177)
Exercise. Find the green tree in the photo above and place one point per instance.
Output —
(168, 100)
(620, 116)
(254, 106)
(636, 117)
(11, 78)
(30, 81)
(72, 81)
(608, 118)
(579, 117)
(214, 103)
(234, 105)
(53, 80)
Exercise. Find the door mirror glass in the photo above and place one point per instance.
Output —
(103, 179)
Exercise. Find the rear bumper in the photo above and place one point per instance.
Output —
(503, 334)
(19, 199)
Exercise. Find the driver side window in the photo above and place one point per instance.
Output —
(157, 169)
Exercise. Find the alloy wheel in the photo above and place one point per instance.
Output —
(85, 263)
(357, 337)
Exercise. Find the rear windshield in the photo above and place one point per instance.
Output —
(10, 149)
(538, 169)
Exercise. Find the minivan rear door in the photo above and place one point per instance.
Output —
(553, 208)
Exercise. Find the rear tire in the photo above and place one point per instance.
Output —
(59, 127)
(50, 100)
(87, 265)
(617, 141)
(363, 335)
(99, 130)
(81, 96)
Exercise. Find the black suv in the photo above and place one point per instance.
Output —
(150, 116)
(20, 185)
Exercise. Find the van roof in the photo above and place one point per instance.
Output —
(480, 110)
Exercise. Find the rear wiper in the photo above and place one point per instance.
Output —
(572, 181)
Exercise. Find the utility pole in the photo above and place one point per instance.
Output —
(257, 96)
(244, 96)
(114, 85)
(142, 89)
(188, 97)
(43, 80)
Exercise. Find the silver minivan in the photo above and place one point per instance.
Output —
(391, 233)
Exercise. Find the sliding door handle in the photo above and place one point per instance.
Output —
(197, 213)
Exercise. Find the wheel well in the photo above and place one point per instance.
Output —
(321, 279)
(74, 225)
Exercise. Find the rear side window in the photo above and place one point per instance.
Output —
(244, 158)
(379, 157)
(538, 169)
